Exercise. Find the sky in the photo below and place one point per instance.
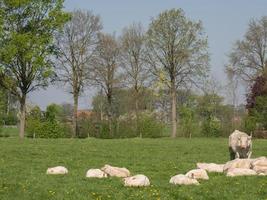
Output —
(224, 21)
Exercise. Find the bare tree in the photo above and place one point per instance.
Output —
(177, 52)
(232, 87)
(249, 56)
(135, 71)
(77, 44)
(105, 71)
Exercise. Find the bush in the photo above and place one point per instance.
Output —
(10, 119)
(188, 124)
(150, 127)
(1, 126)
(33, 126)
(259, 111)
(212, 127)
(124, 127)
(249, 124)
(85, 128)
(51, 129)
(47, 129)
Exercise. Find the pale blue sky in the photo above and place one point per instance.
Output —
(224, 22)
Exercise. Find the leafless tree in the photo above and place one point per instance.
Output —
(132, 57)
(177, 52)
(232, 87)
(249, 56)
(77, 44)
(105, 72)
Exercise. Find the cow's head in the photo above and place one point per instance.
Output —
(244, 141)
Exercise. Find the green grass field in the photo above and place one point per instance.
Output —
(23, 167)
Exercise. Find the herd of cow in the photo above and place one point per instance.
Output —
(240, 164)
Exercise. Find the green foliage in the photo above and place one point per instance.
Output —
(33, 127)
(259, 111)
(123, 127)
(46, 129)
(50, 129)
(27, 31)
(27, 42)
(10, 119)
(211, 127)
(35, 113)
(49, 125)
(53, 112)
(1, 126)
(249, 124)
(188, 124)
(126, 129)
(150, 127)
(86, 128)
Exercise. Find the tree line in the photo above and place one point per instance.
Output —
(41, 44)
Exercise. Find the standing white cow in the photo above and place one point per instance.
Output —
(240, 145)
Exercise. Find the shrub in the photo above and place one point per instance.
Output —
(188, 124)
(10, 119)
(33, 126)
(86, 128)
(51, 129)
(1, 126)
(212, 127)
(123, 127)
(150, 127)
(47, 129)
(126, 129)
(249, 124)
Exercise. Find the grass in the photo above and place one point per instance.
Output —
(23, 165)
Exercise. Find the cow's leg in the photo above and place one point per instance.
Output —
(232, 154)
(249, 154)
(237, 155)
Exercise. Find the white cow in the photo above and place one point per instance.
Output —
(197, 174)
(260, 165)
(96, 173)
(182, 179)
(238, 163)
(136, 181)
(57, 170)
(211, 167)
(240, 145)
(240, 172)
(116, 171)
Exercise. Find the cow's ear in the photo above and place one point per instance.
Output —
(250, 137)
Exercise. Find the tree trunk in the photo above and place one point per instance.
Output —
(110, 115)
(8, 103)
(22, 116)
(137, 115)
(174, 117)
(75, 117)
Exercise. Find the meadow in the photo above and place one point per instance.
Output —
(23, 165)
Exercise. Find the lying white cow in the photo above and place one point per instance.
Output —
(116, 171)
(211, 167)
(181, 179)
(238, 163)
(260, 165)
(240, 172)
(96, 173)
(57, 170)
(136, 181)
(197, 174)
